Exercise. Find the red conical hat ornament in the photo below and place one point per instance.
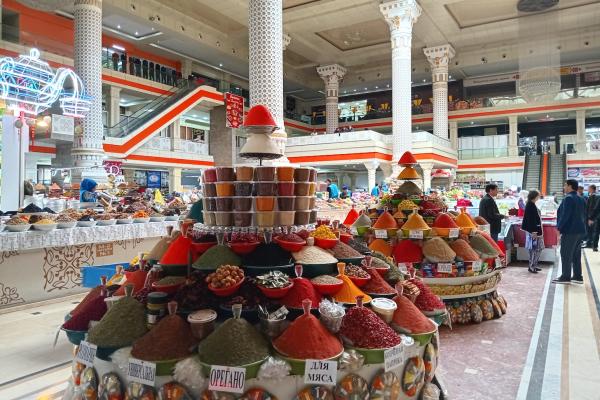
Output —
(407, 159)
(259, 115)
(351, 217)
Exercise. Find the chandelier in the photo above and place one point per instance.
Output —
(537, 85)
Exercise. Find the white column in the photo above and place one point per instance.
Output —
(265, 24)
(371, 167)
(581, 139)
(439, 57)
(87, 150)
(186, 68)
(400, 16)
(513, 138)
(427, 168)
(332, 75)
(386, 168)
(453, 134)
(112, 100)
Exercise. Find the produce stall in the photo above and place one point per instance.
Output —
(515, 237)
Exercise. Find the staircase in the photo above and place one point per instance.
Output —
(532, 172)
(557, 172)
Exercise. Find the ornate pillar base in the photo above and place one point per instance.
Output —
(427, 168)
(87, 164)
(371, 167)
(332, 75)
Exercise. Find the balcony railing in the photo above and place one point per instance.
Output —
(472, 154)
(423, 136)
(339, 138)
(176, 145)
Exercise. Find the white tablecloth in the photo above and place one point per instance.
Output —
(11, 241)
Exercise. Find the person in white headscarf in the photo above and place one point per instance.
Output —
(522, 202)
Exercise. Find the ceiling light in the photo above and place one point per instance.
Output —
(449, 76)
(117, 47)
(376, 87)
(345, 91)
(118, 26)
(220, 64)
(547, 116)
(194, 115)
(205, 118)
(472, 122)
(424, 80)
(152, 28)
(388, 85)
(365, 88)
(136, 33)
(355, 90)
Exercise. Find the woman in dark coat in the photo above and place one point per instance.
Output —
(532, 225)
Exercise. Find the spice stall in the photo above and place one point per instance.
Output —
(278, 308)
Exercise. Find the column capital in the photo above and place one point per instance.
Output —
(400, 14)
(286, 40)
(439, 56)
(88, 3)
(371, 165)
(331, 74)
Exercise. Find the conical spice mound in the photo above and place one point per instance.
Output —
(409, 173)
(415, 222)
(349, 290)
(385, 221)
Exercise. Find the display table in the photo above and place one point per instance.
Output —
(516, 237)
(37, 266)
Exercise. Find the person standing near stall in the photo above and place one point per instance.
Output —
(332, 190)
(593, 218)
(532, 225)
(488, 209)
(87, 191)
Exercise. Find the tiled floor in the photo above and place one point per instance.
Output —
(546, 347)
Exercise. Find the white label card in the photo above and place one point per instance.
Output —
(415, 234)
(445, 268)
(86, 353)
(227, 379)
(381, 234)
(453, 233)
(477, 266)
(498, 263)
(319, 372)
(140, 371)
(393, 358)
(403, 267)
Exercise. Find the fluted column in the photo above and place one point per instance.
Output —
(453, 125)
(439, 57)
(400, 16)
(87, 152)
(332, 75)
(581, 140)
(513, 135)
(371, 167)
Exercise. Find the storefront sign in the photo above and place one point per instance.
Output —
(234, 110)
(113, 167)
(227, 379)
(319, 372)
(393, 358)
(86, 353)
(381, 234)
(153, 179)
(585, 175)
(143, 372)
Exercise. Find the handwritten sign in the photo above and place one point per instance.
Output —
(444, 268)
(319, 372)
(415, 234)
(86, 353)
(381, 234)
(393, 358)
(477, 266)
(453, 233)
(227, 379)
(143, 372)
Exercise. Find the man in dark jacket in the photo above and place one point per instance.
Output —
(593, 217)
(489, 210)
(571, 225)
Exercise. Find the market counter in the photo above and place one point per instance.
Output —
(37, 266)
(514, 236)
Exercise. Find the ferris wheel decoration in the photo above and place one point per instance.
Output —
(29, 84)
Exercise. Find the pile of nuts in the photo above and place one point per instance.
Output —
(225, 276)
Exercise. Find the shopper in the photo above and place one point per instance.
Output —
(488, 209)
(376, 191)
(523, 195)
(332, 190)
(87, 191)
(124, 63)
(345, 193)
(115, 60)
(532, 225)
(571, 225)
(593, 217)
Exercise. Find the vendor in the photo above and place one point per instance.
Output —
(197, 208)
(345, 193)
(332, 190)
(87, 191)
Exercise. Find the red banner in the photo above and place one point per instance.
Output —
(235, 110)
(113, 167)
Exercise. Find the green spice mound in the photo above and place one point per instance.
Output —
(233, 344)
(122, 324)
(216, 256)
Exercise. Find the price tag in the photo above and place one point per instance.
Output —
(381, 234)
(227, 379)
(393, 358)
(319, 372)
(453, 233)
(477, 266)
(415, 234)
(444, 268)
(498, 263)
(354, 231)
(86, 353)
(403, 268)
(143, 372)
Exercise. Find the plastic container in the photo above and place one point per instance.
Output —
(209, 190)
(285, 188)
(384, 308)
(285, 218)
(243, 188)
(265, 203)
(302, 174)
(209, 203)
(209, 217)
(286, 203)
(313, 217)
(266, 218)
(312, 189)
(242, 203)
(265, 188)
(225, 174)
(285, 174)
(224, 189)
(302, 218)
(302, 203)
(264, 174)
(301, 188)
(202, 323)
(223, 218)
(209, 175)
(244, 173)
(224, 204)
(313, 175)
(242, 219)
